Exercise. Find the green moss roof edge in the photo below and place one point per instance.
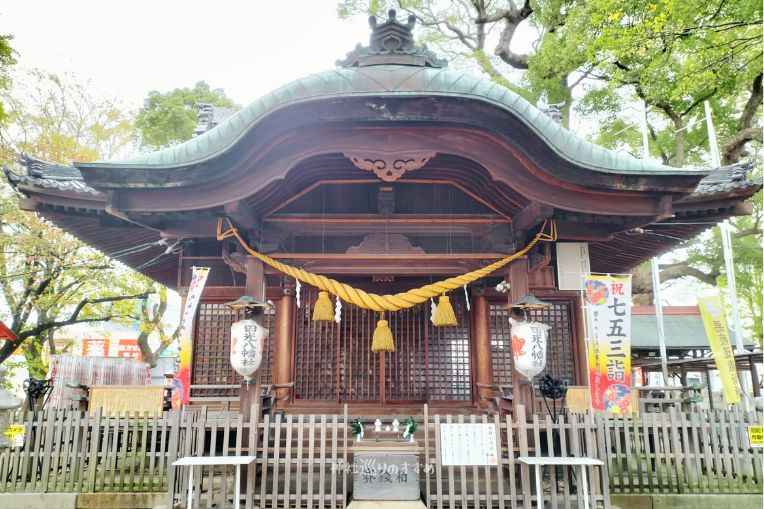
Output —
(392, 81)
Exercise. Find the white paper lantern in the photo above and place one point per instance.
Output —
(529, 347)
(247, 338)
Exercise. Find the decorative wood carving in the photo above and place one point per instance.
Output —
(382, 243)
(390, 167)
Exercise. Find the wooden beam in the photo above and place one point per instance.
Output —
(388, 265)
(522, 393)
(242, 215)
(282, 343)
(531, 215)
(249, 394)
(573, 230)
(484, 373)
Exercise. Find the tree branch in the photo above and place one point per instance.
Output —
(682, 269)
(512, 19)
(74, 317)
(733, 149)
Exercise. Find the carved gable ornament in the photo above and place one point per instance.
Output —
(391, 42)
(383, 243)
(390, 167)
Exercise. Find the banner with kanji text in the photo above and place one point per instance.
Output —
(181, 385)
(608, 316)
(715, 323)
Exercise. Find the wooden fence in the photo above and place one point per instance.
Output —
(673, 452)
(303, 460)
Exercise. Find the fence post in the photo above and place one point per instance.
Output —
(172, 453)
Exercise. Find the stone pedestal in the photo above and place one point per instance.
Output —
(385, 472)
(8, 403)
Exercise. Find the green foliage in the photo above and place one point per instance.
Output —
(673, 54)
(412, 425)
(58, 119)
(48, 278)
(356, 427)
(749, 274)
(6, 60)
(170, 118)
(46, 274)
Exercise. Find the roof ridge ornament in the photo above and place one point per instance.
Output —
(392, 42)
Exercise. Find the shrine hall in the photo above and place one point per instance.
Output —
(388, 173)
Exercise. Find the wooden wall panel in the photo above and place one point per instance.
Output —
(448, 357)
(560, 345)
(315, 351)
(212, 349)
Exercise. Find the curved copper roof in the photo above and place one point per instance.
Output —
(392, 81)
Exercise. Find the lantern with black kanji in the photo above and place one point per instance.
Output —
(529, 338)
(247, 337)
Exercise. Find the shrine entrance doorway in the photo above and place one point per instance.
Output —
(334, 362)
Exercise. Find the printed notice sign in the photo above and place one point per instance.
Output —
(15, 434)
(756, 435)
(468, 444)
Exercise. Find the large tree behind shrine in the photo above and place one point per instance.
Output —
(169, 118)
(49, 279)
(604, 59)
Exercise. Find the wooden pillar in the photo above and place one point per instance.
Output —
(754, 377)
(522, 393)
(249, 394)
(483, 365)
(282, 344)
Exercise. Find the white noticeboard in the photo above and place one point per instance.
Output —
(468, 444)
(572, 262)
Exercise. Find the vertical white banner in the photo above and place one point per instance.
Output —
(181, 393)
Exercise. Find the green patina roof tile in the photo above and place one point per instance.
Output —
(390, 80)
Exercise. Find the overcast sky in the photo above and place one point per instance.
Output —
(129, 48)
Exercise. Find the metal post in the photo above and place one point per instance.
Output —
(654, 268)
(728, 263)
(645, 146)
(713, 144)
(659, 317)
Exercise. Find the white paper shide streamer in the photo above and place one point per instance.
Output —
(338, 310)
(247, 347)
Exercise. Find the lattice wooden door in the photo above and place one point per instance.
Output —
(212, 350)
(560, 345)
(335, 362)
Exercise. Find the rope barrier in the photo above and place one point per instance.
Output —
(382, 303)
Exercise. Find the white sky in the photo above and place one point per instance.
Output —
(129, 48)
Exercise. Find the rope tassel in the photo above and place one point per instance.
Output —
(383, 337)
(323, 311)
(444, 313)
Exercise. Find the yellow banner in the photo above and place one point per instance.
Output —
(712, 312)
